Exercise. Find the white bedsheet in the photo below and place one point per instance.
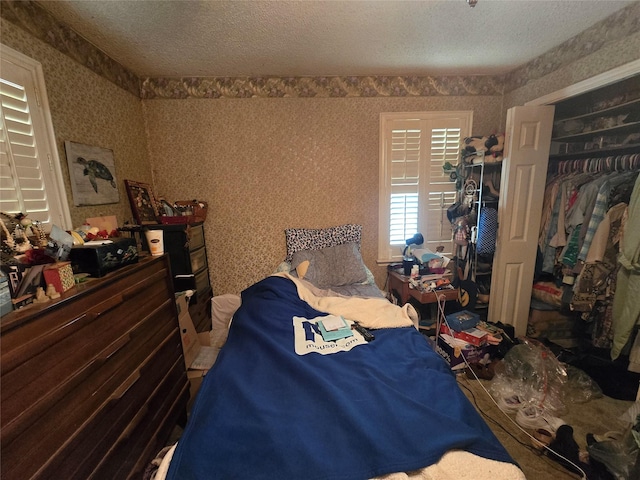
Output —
(454, 465)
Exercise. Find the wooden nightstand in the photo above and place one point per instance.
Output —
(399, 287)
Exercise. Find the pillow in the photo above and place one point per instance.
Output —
(332, 266)
(317, 238)
(222, 309)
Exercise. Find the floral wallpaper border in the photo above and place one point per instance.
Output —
(41, 24)
(37, 21)
(370, 86)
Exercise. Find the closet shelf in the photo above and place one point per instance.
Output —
(618, 129)
(609, 151)
(483, 274)
(612, 109)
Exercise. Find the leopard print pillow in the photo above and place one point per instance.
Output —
(317, 238)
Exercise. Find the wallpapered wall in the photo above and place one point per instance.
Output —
(87, 108)
(613, 54)
(269, 164)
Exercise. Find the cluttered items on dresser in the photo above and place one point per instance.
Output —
(183, 211)
(147, 209)
(40, 267)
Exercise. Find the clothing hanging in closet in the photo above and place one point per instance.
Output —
(584, 215)
(626, 307)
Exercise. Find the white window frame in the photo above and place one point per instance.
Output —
(422, 171)
(44, 137)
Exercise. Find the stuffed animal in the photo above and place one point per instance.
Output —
(474, 159)
(492, 143)
(471, 145)
(493, 157)
(495, 143)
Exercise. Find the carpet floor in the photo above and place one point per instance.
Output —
(596, 416)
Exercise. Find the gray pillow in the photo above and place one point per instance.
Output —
(222, 309)
(332, 266)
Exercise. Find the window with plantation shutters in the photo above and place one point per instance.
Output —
(415, 190)
(30, 183)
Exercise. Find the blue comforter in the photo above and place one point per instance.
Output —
(266, 412)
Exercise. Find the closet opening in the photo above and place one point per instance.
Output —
(582, 304)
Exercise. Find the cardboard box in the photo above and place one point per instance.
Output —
(60, 275)
(463, 320)
(199, 355)
(474, 336)
(453, 350)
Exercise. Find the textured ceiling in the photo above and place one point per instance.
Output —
(166, 38)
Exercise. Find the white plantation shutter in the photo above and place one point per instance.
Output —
(441, 193)
(29, 181)
(22, 187)
(414, 189)
(405, 177)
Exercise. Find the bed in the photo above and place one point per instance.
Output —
(283, 402)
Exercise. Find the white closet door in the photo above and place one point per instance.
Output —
(524, 171)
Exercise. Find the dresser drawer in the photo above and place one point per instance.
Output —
(84, 344)
(126, 408)
(79, 373)
(202, 281)
(198, 259)
(131, 446)
(196, 237)
(23, 331)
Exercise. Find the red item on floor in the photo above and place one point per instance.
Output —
(474, 336)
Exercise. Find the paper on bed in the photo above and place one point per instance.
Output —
(333, 322)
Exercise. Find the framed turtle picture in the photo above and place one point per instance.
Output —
(143, 203)
(93, 174)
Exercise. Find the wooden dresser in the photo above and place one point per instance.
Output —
(94, 382)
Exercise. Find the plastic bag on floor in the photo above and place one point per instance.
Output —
(539, 375)
(580, 387)
(533, 375)
(619, 456)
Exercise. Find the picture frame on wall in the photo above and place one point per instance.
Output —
(92, 172)
(143, 202)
